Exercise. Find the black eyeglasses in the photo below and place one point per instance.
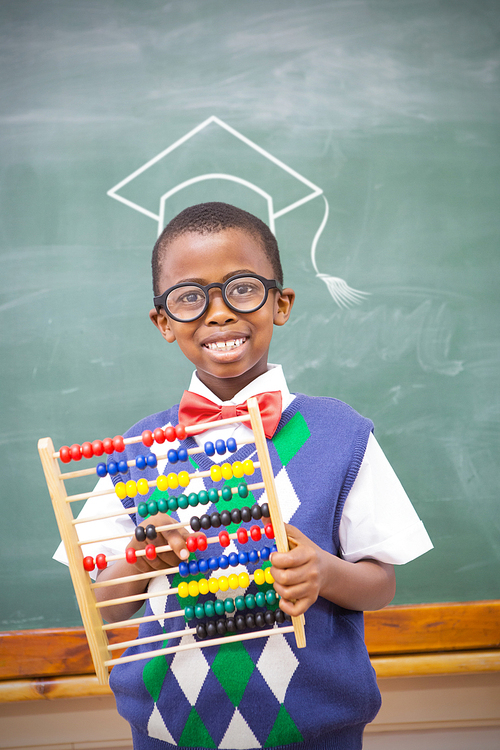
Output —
(188, 301)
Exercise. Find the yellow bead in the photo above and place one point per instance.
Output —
(248, 467)
(203, 586)
(143, 486)
(233, 581)
(227, 471)
(173, 481)
(121, 490)
(193, 588)
(238, 469)
(183, 589)
(131, 488)
(213, 585)
(223, 583)
(244, 580)
(259, 577)
(183, 478)
(215, 473)
(162, 483)
(268, 575)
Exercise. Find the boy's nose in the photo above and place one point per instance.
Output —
(218, 312)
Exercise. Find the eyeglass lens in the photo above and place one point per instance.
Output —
(244, 294)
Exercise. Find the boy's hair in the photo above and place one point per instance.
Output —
(208, 218)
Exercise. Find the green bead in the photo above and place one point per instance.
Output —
(229, 605)
(172, 503)
(242, 490)
(260, 599)
(209, 608)
(152, 508)
(162, 505)
(203, 497)
(271, 596)
(213, 495)
(189, 612)
(142, 510)
(219, 607)
(193, 499)
(226, 493)
(199, 611)
(239, 603)
(182, 502)
(250, 601)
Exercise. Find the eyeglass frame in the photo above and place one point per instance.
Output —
(160, 301)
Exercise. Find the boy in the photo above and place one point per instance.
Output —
(218, 293)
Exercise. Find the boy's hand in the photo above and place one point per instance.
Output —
(176, 539)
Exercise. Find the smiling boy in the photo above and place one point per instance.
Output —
(218, 293)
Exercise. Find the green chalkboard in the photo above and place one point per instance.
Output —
(116, 114)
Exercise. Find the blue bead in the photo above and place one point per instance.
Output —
(122, 466)
(151, 460)
(101, 470)
(274, 548)
(223, 562)
(183, 569)
(213, 563)
(209, 449)
(233, 559)
(203, 566)
(264, 553)
(231, 445)
(140, 462)
(112, 468)
(243, 558)
(172, 456)
(253, 556)
(183, 454)
(220, 447)
(193, 568)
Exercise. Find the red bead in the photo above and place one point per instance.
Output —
(147, 438)
(97, 448)
(255, 533)
(100, 561)
(224, 540)
(202, 542)
(180, 432)
(130, 555)
(87, 450)
(170, 434)
(65, 454)
(88, 563)
(159, 435)
(269, 531)
(108, 446)
(242, 535)
(150, 552)
(76, 452)
(191, 543)
(118, 444)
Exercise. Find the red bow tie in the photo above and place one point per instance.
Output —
(195, 409)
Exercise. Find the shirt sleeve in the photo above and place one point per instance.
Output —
(378, 520)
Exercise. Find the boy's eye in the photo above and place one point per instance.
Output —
(185, 297)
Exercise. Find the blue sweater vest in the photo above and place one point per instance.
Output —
(263, 692)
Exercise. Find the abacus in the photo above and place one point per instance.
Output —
(214, 632)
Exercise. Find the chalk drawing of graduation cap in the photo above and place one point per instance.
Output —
(219, 153)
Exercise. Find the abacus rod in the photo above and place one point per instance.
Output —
(200, 644)
(128, 579)
(152, 639)
(140, 620)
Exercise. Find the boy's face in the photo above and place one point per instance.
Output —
(216, 257)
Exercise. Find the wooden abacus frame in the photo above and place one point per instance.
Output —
(95, 628)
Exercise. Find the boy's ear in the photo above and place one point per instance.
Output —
(161, 321)
(283, 306)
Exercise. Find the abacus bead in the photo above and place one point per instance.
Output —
(147, 438)
(97, 448)
(260, 620)
(100, 561)
(162, 483)
(265, 553)
(140, 533)
(215, 473)
(180, 432)
(227, 471)
(233, 581)
(250, 601)
(142, 486)
(172, 456)
(259, 577)
(162, 503)
(130, 555)
(238, 470)
(213, 585)
(260, 599)
(239, 621)
(183, 569)
(189, 612)
(182, 590)
(211, 629)
(239, 603)
(76, 452)
(279, 616)
(173, 480)
(199, 610)
(101, 470)
(223, 562)
(220, 606)
(203, 566)
(87, 451)
(159, 435)
(122, 466)
(172, 503)
(118, 444)
(182, 502)
(269, 617)
(224, 540)
(236, 515)
(253, 556)
(242, 535)
(112, 468)
(225, 518)
(183, 454)
(170, 433)
(244, 579)
(255, 533)
(202, 542)
(265, 510)
(193, 499)
(131, 488)
(203, 583)
(209, 608)
(248, 467)
(221, 626)
(151, 532)
(243, 557)
(250, 621)
(271, 597)
(65, 454)
(150, 552)
(213, 563)
(152, 461)
(193, 588)
(213, 495)
(121, 490)
(152, 508)
(243, 489)
(209, 448)
(203, 497)
(108, 446)
(228, 605)
(268, 575)
(233, 559)
(246, 514)
(142, 510)
(140, 462)
(223, 583)
(201, 632)
(269, 531)
(256, 512)
(191, 543)
(194, 522)
(231, 445)
(193, 568)
(215, 521)
(220, 447)
(230, 625)
(226, 494)
(88, 563)
(184, 479)
(205, 521)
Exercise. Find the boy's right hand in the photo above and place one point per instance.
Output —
(176, 539)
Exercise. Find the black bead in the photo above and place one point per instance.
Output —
(200, 631)
(260, 620)
(269, 617)
(151, 532)
(221, 626)
(250, 621)
(279, 616)
(246, 514)
(205, 521)
(140, 533)
(225, 518)
(239, 621)
(236, 515)
(265, 510)
(231, 625)
(211, 629)
(256, 512)
(195, 523)
(215, 521)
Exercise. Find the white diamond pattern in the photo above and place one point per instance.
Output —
(277, 664)
(190, 669)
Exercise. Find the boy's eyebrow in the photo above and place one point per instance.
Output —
(227, 276)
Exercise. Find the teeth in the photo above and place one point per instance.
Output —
(219, 346)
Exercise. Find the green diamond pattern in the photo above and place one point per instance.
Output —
(284, 731)
(233, 668)
(195, 733)
(154, 673)
(290, 439)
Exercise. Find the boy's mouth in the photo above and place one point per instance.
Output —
(224, 346)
